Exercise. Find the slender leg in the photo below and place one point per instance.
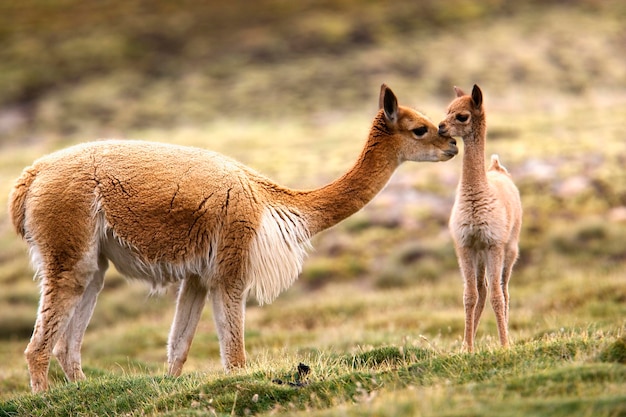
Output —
(67, 349)
(228, 312)
(228, 291)
(470, 294)
(482, 294)
(495, 261)
(60, 295)
(509, 261)
(191, 299)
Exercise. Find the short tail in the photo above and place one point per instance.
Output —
(17, 200)
(496, 166)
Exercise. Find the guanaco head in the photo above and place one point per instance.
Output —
(463, 113)
(417, 136)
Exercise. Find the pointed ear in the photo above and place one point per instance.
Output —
(389, 103)
(458, 91)
(381, 97)
(477, 96)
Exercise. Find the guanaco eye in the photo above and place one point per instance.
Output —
(420, 131)
(462, 117)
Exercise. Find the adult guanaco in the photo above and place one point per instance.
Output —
(166, 214)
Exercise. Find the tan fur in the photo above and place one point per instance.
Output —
(165, 213)
(486, 218)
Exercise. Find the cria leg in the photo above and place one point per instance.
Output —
(470, 293)
(60, 295)
(495, 261)
(509, 261)
(191, 299)
(67, 349)
(481, 285)
(228, 312)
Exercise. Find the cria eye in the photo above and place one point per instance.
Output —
(420, 131)
(462, 117)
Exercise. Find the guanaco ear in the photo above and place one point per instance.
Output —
(381, 97)
(458, 91)
(477, 96)
(389, 103)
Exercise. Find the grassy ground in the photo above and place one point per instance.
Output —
(377, 313)
(358, 366)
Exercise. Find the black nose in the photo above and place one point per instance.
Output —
(442, 129)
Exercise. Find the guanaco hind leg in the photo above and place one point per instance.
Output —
(60, 295)
(191, 299)
(67, 349)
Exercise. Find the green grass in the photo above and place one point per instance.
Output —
(371, 353)
(377, 312)
(559, 373)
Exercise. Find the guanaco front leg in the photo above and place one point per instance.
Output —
(228, 313)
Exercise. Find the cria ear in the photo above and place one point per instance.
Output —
(477, 96)
(389, 103)
(458, 91)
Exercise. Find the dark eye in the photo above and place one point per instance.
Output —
(462, 117)
(420, 131)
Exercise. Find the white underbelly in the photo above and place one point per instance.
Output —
(159, 274)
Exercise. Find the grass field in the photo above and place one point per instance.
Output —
(377, 313)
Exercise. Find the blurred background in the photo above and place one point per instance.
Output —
(74, 68)
(290, 88)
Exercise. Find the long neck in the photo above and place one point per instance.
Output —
(324, 207)
(474, 175)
